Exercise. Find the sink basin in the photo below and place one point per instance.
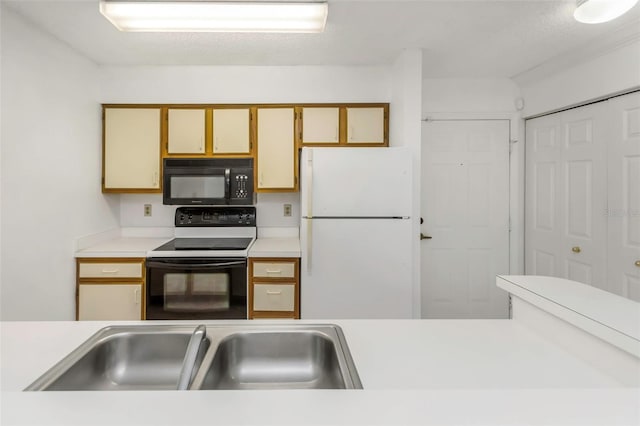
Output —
(124, 358)
(276, 360)
(251, 356)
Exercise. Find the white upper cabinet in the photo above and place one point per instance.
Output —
(276, 165)
(131, 149)
(366, 125)
(320, 125)
(186, 131)
(231, 131)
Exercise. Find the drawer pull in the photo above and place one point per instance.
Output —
(110, 271)
(274, 293)
(276, 271)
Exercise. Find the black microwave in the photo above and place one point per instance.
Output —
(208, 181)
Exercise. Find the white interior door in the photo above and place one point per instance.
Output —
(623, 211)
(465, 206)
(566, 195)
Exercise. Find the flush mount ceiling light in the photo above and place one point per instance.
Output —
(598, 11)
(216, 16)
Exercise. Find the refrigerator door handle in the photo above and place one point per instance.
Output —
(309, 213)
(309, 245)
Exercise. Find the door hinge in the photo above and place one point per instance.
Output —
(511, 143)
(509, 224)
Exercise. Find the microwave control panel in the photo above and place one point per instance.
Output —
(215, 216)
(240, 187)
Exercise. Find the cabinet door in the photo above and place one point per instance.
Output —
(273, 297)
(131, 149)
(276, 165)
(320, 125)
(110, 302)
(366, 125)
(231, 133)
(186, 131)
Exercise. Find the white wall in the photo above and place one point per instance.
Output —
(244, 84)
(405, 114)
(51, 168)
(269, 210)
(446, 95)
(233, 84)
(615, 71)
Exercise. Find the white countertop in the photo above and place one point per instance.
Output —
(123, 247)
(413, 371)
(612, 318)
(140, 246)
(275, 247)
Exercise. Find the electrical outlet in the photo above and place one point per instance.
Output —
(147, 209)
(287, 209)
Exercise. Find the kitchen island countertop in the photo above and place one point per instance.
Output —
(413, 371)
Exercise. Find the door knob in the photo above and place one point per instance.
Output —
(637, 263)
(424, 237)
(576, 249)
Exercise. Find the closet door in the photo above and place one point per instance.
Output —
(623, 212)
(566, 195)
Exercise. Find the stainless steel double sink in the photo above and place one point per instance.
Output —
(256, 356)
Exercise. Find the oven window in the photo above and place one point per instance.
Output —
(196, 292)
(197, 186)
(196, 288)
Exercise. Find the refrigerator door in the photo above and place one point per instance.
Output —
(356, 182)
(356, 268)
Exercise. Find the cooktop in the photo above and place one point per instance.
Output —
(205, 244)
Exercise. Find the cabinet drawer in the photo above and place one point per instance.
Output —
(110, 270)
(274, 297)
(274, 269)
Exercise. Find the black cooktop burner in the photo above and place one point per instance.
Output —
(206, 244)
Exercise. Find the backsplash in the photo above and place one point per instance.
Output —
(269, 210)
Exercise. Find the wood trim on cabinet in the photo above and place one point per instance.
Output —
(343, 124)
(296, 168)
(142, 280)
(164, 136)
(294, 281)
(160, 153)
(251, 153)
(208, 107)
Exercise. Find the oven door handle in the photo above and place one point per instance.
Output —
(219, 265)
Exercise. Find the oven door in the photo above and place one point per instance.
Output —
(196, 288)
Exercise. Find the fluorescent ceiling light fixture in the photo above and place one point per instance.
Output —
(216, 16)
(598, 11)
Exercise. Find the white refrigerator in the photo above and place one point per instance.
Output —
(356, 233)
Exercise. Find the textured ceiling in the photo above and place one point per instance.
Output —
(474, 38)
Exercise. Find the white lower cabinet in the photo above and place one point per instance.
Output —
(110, 289)
(111, 301)
(274, 288)
(274, 297)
